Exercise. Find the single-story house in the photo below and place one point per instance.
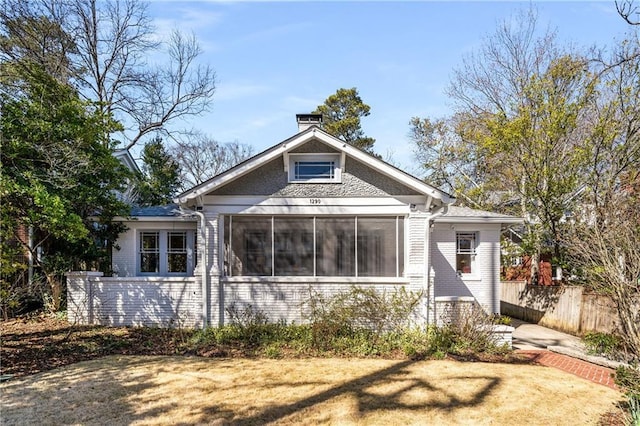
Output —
(311, 212)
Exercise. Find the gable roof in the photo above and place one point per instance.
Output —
(290, 144)
(125, 157)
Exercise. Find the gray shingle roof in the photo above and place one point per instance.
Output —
(170, 210)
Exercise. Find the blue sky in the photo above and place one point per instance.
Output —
(276, 59)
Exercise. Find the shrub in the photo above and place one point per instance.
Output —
(501, 320)
(359, 322)
(604, 344)
(628, 378)
(358, 309)
(467, 329)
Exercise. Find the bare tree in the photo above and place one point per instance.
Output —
(201, 158)
(609, 259)
(629, 11)
(615, 139)
(525, 102)
(114, 39)
(107, 44)
(494, 78)
(448, 158)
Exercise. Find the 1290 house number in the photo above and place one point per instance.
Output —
(314, 201)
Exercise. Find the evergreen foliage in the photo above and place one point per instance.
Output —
(160, 178)
(58, 175)
(341, 113)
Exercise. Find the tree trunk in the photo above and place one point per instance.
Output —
(56, 292)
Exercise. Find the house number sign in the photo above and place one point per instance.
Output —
(314, 201)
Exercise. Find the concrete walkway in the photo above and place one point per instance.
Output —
(563, 351)
(532, 336)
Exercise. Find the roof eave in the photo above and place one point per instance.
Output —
(479, 219)
(155, 219)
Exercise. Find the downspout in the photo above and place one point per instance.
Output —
(30, 268)
(205, 269)
(431, 305)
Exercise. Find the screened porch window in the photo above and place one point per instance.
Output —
(314, 246)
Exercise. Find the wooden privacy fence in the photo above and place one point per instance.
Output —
(566, 308)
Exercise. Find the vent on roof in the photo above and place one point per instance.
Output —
(307, 120)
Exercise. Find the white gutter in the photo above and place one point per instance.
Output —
(205, 271)
(427, 273)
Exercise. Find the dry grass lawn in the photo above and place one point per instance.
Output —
(177, 390)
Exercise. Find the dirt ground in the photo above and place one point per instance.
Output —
(39, 343)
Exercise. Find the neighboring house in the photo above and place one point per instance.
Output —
(125, 157)
(312, 213)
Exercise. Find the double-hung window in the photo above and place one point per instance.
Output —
(465, 252)
(149, 252)
(166, 252)
(176, 252)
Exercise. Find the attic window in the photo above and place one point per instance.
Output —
(305, 170)
(314, 168)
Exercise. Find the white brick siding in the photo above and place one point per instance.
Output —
(285, 301)
(131, 300)
(162, 302)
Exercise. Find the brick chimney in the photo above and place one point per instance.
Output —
(307, 120)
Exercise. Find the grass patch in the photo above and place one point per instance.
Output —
(189, 390)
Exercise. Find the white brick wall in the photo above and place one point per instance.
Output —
(285, 300)
(162, 302)
(483, 284)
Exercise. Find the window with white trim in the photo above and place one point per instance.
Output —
(465, 252)
(149, 252)
(314, 168)
(314, 246)
(166, 253)
(177, 252)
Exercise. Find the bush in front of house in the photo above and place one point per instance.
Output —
(360, 322)
(467, 329)
(360, 314)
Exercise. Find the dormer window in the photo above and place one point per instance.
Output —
(315, 168)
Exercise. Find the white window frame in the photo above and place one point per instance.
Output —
(153, 251)
(472, 251)
(292, 159)
(178, 250)
(163, 252)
